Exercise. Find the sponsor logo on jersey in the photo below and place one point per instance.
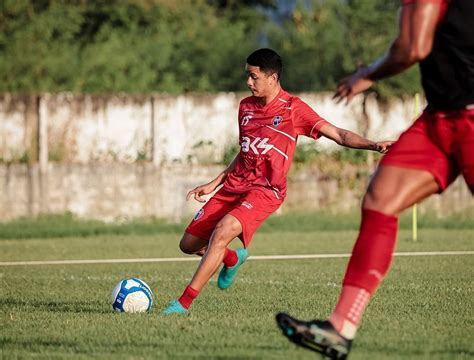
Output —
(277, 120)
(247, 205)
(199, 214)
(258, 145)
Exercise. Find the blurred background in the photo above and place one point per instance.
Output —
(113, 110)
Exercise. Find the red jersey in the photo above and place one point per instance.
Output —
(267, 138)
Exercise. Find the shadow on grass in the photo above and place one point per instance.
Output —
(411, 352)
(57, 306)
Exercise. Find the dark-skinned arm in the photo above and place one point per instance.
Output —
(417, 25)
(350, 139)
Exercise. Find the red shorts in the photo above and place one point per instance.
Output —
(441, 143)
(251, 209)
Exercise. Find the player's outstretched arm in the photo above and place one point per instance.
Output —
(350, 139)
(209, 187)
(417, 25)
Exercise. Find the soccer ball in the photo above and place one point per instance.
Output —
(132, 296)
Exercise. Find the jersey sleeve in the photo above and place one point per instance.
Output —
(239, 118)
(305, 120)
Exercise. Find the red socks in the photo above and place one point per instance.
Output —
(373, 250)
(188, 296)
(230, 257)
(369, 263)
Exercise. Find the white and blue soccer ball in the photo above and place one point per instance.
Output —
(132, 295)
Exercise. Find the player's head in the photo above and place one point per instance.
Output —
(263, 71)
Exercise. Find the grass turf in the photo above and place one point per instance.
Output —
(424, 310)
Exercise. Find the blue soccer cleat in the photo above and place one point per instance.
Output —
(175, 307)
(227, 274)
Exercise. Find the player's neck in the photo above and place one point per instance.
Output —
(272, 94)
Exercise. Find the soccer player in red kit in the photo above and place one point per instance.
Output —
(254, 184)
(439, 34)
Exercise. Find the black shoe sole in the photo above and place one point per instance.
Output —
(299, 333)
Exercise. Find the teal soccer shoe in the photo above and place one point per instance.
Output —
(227, 274)
(175, 307)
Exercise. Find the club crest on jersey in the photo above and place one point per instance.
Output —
(245, 119)
(277, 120)
(199, 214)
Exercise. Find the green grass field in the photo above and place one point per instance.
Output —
(424, 310)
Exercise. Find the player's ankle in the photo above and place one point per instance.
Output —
(188, 297)
(230, 257)
(344, 327)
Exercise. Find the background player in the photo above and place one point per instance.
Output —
(425, 160)
(254, 184)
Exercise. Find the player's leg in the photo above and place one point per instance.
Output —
(198, 233)
(417, 166)
(225, 231)
(392, 190)
(253, 210)
(193, 245)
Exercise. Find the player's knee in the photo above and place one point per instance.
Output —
(380, 200)
(185, 246)
(220, 236)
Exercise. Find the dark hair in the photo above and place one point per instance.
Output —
(267, 60)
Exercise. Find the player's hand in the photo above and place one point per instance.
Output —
(201, 190)
(352, 85)
(384, 146)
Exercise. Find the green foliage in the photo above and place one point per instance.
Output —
(304, 153)
(353, 156)
(143, 46)
(325, 40)
(230, 153)
(121, 46)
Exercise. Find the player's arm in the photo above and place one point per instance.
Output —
(417, 25)
(352, 140)
(209, 187)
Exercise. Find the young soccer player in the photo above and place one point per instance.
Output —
(439, 34)
(254, 184)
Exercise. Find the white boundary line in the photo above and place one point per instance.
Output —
(184, 259)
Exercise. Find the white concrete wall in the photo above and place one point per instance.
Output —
(121, 191)
(168, 129)
(94, 143)
(12, 127)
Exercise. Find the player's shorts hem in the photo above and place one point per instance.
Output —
(438, 178)
(193, 232)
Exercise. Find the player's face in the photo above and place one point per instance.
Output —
(259, 83)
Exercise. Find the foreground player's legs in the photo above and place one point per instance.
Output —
(226, 230)
(392, 190)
